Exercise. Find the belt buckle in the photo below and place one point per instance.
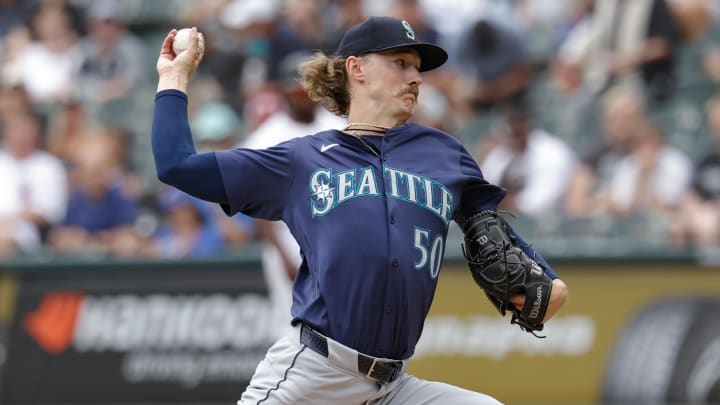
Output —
(371, 370)
(390, 378)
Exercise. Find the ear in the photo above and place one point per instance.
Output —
(354, 68)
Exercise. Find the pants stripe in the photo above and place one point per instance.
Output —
(277, 386)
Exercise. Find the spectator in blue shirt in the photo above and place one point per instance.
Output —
(188, 230)
(99, 205)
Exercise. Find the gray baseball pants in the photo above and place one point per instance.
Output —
(294, 374)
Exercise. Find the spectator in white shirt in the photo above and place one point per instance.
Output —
(653, 177)
(48, 65)
(34, 187)
(532, 164)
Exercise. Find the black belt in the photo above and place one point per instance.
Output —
(381, 371)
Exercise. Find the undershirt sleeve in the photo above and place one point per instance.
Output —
(176, 161)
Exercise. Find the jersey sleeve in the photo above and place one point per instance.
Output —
(257, 182)
(477, 193)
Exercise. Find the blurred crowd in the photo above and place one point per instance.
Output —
(587, 111)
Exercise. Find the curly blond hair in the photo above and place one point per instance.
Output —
(325, 80)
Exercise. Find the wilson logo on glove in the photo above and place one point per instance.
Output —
(535, 311)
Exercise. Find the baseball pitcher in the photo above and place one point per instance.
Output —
(370, 207)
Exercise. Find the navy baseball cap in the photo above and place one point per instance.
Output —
(383, 33)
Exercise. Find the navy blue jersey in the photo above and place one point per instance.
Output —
(371, 228)
(371, 225)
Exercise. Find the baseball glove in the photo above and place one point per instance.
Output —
(501, 268)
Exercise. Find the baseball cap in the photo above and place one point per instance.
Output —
(383, 33)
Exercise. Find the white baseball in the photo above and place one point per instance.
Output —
(182, 40)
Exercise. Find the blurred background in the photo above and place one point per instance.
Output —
(600, 117)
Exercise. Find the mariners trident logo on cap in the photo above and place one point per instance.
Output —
(408, 30)
(383, 33)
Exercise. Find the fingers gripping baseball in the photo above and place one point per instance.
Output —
(181, 52)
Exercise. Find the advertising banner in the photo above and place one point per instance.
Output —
(141, 334)
(136, 335)
(632, 333)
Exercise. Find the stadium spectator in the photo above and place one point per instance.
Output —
(192, 13)
(245, 64)
(410, 11)
(13, 14)
(12, 46)
(345, 13)
(14, 101)
(34, 185)
(302, 28)
(452, 18)
(533, 165)
(49, 64)
(709, 47)
(698, 220)
(495, 64)
(67, 123)
(112, 63)
(653, 177)
(300, 115)
(633, 170)
(544, 24)
(694, 17)
(187, 229)
(623, 42)
(99, 206)
(623, 113)
(74, 9)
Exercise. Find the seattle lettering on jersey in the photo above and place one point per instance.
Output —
(330, 190)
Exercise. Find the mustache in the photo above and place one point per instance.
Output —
(414, 90)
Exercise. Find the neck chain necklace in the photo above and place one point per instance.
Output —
(365, 144)
(360, 126)
(355, 129)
